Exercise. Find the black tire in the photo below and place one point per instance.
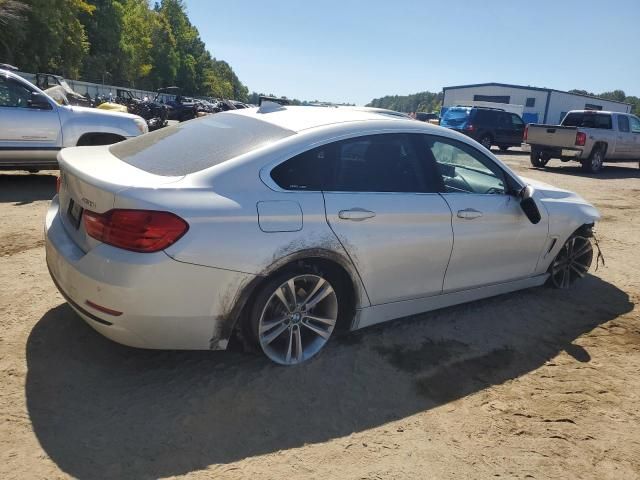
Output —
(486, 141)
(572, 261)
(268, 288)
(504, 148)
(595, 162)
(33, 170)
(537, 159)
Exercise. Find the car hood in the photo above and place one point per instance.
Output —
(554, 198)
(99, 112)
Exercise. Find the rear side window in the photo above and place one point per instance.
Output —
(635, 124)
(378, 163)
(486, 117)
(198, 144)
(516, 121)
(623, 123)
(306, 171)
(588, 120)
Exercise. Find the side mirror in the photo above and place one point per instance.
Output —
(39, 102)
(528, 204)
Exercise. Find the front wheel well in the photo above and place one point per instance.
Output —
(99, 138)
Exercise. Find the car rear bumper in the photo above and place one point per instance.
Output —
(557, 152)
(155, 301)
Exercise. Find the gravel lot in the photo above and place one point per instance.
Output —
(536, 384)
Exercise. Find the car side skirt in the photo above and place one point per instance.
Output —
(368, 316)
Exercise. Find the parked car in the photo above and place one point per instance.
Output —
(178, 108)
(287, 223)
(590, 137)
(427, 117)
(489, 126)
(34, 127)
(154, 113)
(58, 89)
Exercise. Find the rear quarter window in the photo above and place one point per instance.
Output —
(197, 144)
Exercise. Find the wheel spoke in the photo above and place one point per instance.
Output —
(283, 299)
(266, 326)
(267, 339)
(324, 292)
(292, 292)
(574, 267)
(326, 321)
(288, 356)
(298, 338)
(319, 283)
(586, 248)
(316, 330)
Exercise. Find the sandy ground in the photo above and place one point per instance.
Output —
(536, 384)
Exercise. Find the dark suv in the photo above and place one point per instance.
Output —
(489, 126)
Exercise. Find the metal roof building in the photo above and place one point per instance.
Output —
(541, 105)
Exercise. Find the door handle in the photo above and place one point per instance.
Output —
(356, 214)
(469, 214)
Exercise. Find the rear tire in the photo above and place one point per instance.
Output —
(595, 162)
(537, 159)
(486, 141)
(291, 325)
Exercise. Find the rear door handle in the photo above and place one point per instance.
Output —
(356, 214)
(469, 214)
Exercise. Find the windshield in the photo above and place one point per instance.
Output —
(455, 116)
(193, 146)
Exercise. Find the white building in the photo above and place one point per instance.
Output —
(541, 105)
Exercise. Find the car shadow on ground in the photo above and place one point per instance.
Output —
(101, 410)
(26, 188)
(609, 172)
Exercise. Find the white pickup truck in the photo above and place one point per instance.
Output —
(33, 127)
(590, 137)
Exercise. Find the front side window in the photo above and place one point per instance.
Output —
(464, 169)
(516, 121)
(13, 94)
(635, 124)
(378, 163)
(623, 123)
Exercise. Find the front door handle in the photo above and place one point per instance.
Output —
(356, 214)
(469, 213)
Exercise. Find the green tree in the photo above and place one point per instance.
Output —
(13, 16)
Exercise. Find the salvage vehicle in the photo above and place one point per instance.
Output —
(489, 126)
(33, 127)
(178, 108)
(154, 113)
(58, 89)
(281, 224)
(590, 137)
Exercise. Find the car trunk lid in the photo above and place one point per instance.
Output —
(91, 178)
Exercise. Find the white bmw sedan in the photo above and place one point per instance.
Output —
(283, 224)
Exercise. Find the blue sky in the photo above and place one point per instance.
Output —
(353, 51)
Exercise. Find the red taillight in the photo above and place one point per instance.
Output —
(143, 231)
(58, 182)
(526, 132)
(581, 139)
(469, 128)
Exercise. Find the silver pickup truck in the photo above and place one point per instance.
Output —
(587, 136)
(33, 127)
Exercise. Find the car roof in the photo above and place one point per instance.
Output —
(297, 119)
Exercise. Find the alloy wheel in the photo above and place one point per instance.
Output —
(596, 161)
(298, 319)
(573, 262)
